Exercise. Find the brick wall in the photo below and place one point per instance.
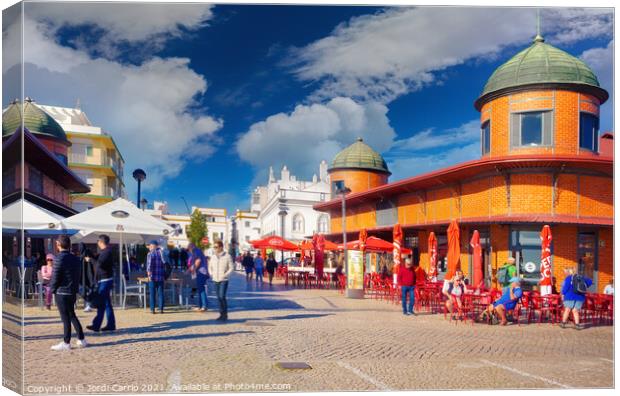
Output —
(358, 180)
(566, 106)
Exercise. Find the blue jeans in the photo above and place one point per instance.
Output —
(408, 290)
(201, 287)
(259, 274)
(220, 289)
(104, 305)
(156, 287)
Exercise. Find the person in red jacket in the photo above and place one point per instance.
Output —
(407, 282)
(420, 275)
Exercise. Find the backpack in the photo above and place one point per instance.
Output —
(503, 276)
(579, 284)
(167, 266)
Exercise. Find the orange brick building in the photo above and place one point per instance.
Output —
(542, 162)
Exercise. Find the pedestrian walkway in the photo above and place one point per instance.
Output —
(349, 345)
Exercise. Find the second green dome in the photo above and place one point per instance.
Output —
(359, 155)
(541, 64)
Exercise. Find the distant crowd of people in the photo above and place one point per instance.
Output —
(65, 272)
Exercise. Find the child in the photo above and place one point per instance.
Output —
(46, 275)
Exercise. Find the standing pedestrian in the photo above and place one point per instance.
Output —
(406, 280)
(46, 275)
(104, 275)
(271, 265)
(89, 284)
(156, 270)
(200, 271)
(248, 264)
(574, 291)
(65, 284)
(222, 267)
(258, 267)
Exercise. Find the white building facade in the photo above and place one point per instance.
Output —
(285, 205)
(218, 225)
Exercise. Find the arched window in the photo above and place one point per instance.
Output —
(323, 224)
(298, 223)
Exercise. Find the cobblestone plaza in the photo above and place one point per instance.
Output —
(349, 345)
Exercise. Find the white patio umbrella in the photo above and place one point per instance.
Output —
(34, 217)
(121, 220)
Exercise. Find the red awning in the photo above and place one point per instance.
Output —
(274, 242)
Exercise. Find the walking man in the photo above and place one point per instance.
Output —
(65, 284)
(248, 264)
(574, 290)
(155, 269)
(221, 268)
(104, 275)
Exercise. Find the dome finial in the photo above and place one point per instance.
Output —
(538, 38)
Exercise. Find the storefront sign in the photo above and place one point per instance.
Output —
(355, 276)
(530, 267)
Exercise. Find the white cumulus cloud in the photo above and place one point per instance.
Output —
(399, 50)
(149, 108)
(136, 26)
(311, 133)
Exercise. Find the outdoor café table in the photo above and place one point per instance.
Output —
(477, 302)
(174, 282)
(599, 307)
(549, 304)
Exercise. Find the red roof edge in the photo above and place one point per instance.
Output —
(593, 159)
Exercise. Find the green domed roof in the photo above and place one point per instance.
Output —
(541, 64)
(359, 155)
(36, 120)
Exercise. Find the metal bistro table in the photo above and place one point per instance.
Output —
(173, 282)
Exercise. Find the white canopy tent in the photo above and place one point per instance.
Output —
(122, 221)
(34, 217)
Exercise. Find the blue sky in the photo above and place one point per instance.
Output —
(206, 98)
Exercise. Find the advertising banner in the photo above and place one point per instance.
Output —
(355, 277)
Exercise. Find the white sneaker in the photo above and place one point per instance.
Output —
(88, 308)
(61, 347)
(81, 343)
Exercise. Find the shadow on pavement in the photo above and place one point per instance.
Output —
(167, 338)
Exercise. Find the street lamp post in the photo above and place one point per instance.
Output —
(139, 175)
(282, 214)
(343, 191)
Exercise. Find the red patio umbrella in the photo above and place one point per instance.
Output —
(545, 261)
(477, 258)
(374, 244)
(362, 244)
(397, 241)
(319, 245)
(329, 245)
(432, 254)
(274, 242)
(454, 248)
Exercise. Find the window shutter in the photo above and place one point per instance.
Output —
(515, 133)
(547, 136)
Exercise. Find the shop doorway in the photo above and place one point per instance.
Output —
(525, 246)
(587, 256)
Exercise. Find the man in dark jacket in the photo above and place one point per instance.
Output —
(104, 275)
(65, 284)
